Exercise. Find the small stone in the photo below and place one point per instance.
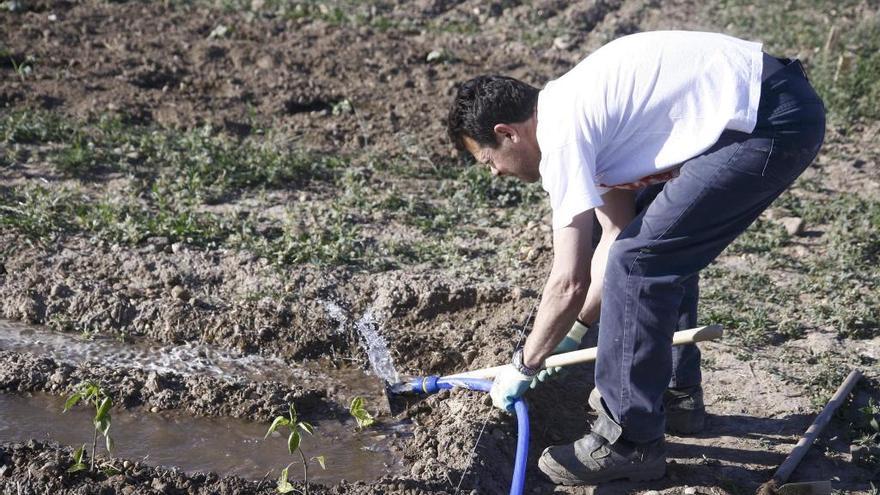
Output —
(418, 468)
(562, 43)
(180, 292)
(158, 242)
(218, 32)
(126, 464)
(153, 383)
(265, 62)
(690, 490)
(434, 56)
(516, 293)
(469, 356)
(53, 17)
(60, 291)
(154, 409)
(532, 254)
(652, 492)
(793, 225)
(159, 485)
(57, 378)
(177, 247)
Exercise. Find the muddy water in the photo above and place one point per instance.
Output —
(221, 445)
(186, 358)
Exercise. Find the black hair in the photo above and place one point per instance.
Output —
(485, 101)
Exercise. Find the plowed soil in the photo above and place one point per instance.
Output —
(367, 80)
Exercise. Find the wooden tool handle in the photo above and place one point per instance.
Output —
(710, 332)
(799, 450)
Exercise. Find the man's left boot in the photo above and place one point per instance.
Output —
(595, 459)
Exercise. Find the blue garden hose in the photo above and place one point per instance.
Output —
(433, 384)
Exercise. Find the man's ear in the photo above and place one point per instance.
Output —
(505, 131)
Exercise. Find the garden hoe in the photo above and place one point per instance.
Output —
(397, 405)
(775, 485)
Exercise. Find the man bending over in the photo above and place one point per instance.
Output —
(677, 141)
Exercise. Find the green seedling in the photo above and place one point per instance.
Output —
(360, 414)
(92, 393)
(294, 425)
(78, 464)
(23, 68)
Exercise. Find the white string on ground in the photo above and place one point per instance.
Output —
(473, 454)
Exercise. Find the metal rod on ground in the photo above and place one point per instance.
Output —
(803, 445)
(700, 334)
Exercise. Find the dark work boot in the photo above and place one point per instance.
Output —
(685, 411)
(595, 459)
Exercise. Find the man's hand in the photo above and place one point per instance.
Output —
(571, 342)
(508, 386)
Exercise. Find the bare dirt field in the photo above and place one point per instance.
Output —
(272, 180)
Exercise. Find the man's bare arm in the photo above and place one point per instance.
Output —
(617, 212)
(565, 290)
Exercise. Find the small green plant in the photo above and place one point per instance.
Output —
(361, 415)
(93, 394)
(78, 464)
(866, 434)
(23, 68)
(294, 425)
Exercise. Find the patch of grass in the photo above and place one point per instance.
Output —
(42, 214)
(436, 253)
(39, 214)
(848, 274)
(171, 180)
(828, 372)
(204, 164)
(29, 127)
(337, 243)
(840, 278)
(754, 310)
(762, 237)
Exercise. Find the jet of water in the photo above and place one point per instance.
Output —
(376, 347)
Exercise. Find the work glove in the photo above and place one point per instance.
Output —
(508, 386)
(571, 342)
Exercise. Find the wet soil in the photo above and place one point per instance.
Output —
(158, 63)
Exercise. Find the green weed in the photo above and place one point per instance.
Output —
(28, 127)
(37, 212)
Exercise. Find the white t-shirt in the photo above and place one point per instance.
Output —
(638, 106)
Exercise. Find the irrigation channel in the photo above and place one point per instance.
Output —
(226, 446)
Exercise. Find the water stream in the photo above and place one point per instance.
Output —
(187, 359)
(368, 329)
(222, 445)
